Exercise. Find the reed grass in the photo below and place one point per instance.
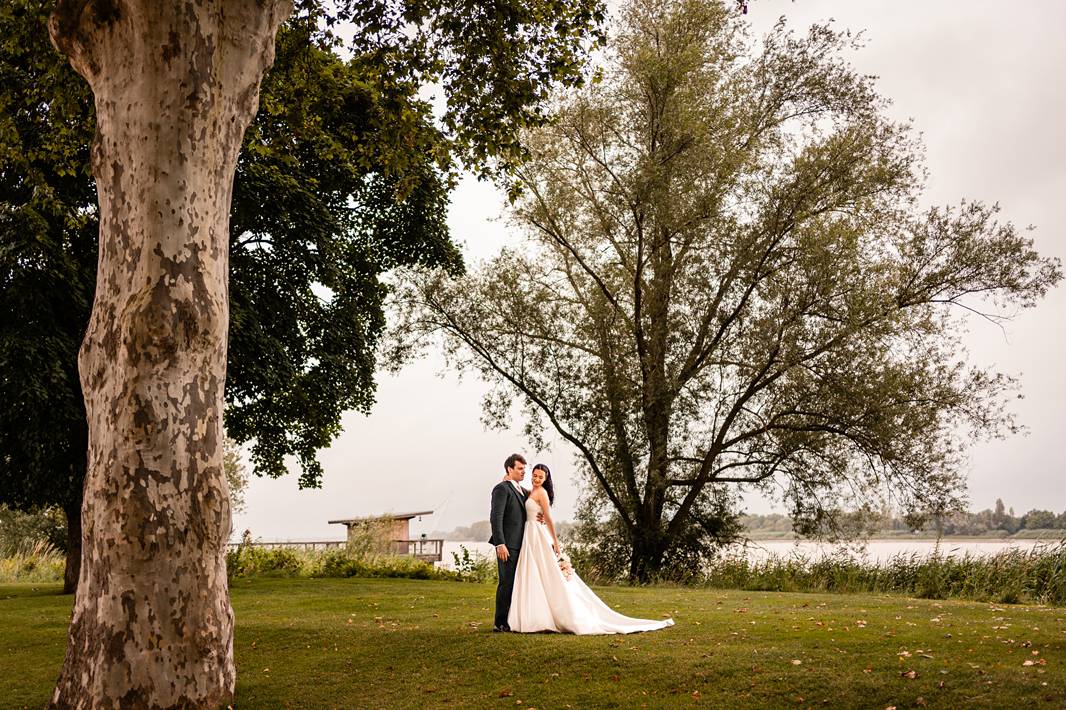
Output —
(38, 561)
(1013, 575)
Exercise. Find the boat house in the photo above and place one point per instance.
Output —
(392, 534)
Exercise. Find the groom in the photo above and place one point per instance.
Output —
(508, 519)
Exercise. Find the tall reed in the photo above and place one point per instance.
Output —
(38, 561)
(1036, 574)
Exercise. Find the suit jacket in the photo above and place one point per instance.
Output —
(507, 515)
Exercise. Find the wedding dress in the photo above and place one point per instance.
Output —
(545, 600)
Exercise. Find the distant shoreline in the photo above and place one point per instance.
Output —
(789, 537)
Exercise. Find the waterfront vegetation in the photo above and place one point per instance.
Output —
(248, 561)
(1034, 574)
(402, 643)
(1031, 575)
(34, 562)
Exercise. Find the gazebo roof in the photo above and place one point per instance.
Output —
(389, 516)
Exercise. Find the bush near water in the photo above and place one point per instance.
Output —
(250, 561)
(1014, 575)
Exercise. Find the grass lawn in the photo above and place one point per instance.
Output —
(369, 643)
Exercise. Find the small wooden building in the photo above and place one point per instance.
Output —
(393, 532)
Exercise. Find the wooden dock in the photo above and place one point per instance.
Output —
(426, 549)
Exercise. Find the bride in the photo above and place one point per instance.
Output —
(547, 598)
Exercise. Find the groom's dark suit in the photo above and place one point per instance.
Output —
(508, 519)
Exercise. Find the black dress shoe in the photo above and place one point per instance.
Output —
(499, 629)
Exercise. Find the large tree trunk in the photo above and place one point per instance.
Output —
(72, 507)
(175, 83)
(646, 558)
(73, 563)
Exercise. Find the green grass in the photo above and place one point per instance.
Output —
(399, 643)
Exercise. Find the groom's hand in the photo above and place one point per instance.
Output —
(540, 518)
(502, 553)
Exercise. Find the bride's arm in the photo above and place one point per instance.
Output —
(545, 505)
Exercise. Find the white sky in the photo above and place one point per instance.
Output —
(983, 83)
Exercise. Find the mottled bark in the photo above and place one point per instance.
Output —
(176, 85)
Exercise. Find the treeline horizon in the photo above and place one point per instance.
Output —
(998, 519)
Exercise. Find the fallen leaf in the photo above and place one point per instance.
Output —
(796, 661)
(909, 674)
(505, 693)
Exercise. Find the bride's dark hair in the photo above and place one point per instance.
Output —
(548, 485)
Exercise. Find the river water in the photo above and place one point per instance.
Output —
(874, 551)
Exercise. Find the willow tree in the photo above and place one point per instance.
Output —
(175, 85)
(727, 282)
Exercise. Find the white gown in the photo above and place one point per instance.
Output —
(544, 600)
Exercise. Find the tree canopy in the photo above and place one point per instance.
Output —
(343, 175)
(355, 187)
(729, 282)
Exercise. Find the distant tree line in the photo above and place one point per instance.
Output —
(1000, 518)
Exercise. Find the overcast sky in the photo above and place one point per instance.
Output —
(982, 81)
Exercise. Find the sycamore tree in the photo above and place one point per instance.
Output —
(341, 177)
(174, 88)
(728, 283)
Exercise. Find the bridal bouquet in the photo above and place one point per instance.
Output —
(565, 566)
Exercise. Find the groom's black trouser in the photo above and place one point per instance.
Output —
(505, 586)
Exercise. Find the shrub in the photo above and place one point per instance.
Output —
(473, 568)
(341, 563)
(21, 530)
(248, 560)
